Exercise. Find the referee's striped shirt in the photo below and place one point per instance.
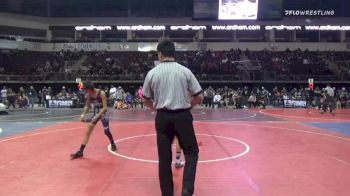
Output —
(330, 91)
(169, 85)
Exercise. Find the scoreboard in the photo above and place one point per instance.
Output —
(237, 9)
(268, 9)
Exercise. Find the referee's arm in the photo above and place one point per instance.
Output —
(196, 90)
(147, 93)
(148, 102)
(197, 99)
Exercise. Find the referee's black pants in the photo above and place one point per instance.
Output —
(168, 125)
(330, 102)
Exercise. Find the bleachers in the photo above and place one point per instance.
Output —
(233, 64)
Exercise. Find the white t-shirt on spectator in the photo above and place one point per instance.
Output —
(112, 92)
(305, 62)
(120, 94)
(3, 93)
(330, 91)
(252, 98)
(217, 98)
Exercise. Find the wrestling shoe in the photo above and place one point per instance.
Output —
(113, 147)
(179, 164)
(76, 155)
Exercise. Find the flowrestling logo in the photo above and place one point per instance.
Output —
(309, 12)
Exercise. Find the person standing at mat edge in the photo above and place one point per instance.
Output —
(97, 99)
(166, 89)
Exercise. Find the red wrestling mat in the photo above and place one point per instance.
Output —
(271, 158)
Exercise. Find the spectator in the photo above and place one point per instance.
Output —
(252, 101)
(120, 94)
(129, 100)
(11, 98)
(32, 96)
(217, 100)
(3, 95)
(23, 101)
(140, 92)
(40, 98)
(112, 94)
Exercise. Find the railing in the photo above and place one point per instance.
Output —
(306, 77)
(252, 77)
(24, 78)
(272, 76)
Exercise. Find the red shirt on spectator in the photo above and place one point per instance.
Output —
(140, 92)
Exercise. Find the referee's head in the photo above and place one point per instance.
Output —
(166, 49)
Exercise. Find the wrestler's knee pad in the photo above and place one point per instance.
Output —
(105, 123)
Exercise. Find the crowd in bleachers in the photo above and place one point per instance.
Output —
(237, 64)
(22, 62)
(254, 97)
(128, 65)
(261, 97)
(240, 64)
(30, 97)
(134, 65)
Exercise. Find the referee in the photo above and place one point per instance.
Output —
(330, 101)
(166, 89)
